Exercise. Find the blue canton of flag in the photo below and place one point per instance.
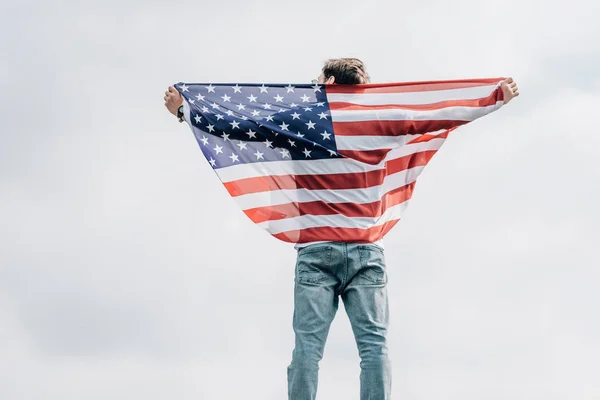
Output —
(241, 124)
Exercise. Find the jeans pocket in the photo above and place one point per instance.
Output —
(313, 264)
(372, 262)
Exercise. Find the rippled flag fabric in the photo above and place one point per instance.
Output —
(314, 163)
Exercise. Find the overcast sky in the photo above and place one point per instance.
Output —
(127, 271)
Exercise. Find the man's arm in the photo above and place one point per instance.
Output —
(173, 102)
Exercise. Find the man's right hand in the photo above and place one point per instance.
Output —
(173, 100)
(510, 90)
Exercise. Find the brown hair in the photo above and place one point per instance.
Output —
(346, 71)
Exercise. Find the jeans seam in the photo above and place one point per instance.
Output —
(345, 264)
(313, 249)
(372, 247)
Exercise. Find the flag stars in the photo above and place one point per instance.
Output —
(184, 88)
(223, 113)
(326, 135)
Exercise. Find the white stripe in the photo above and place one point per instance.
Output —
(371, 142)
(413, 98)
(375, 142)
(414, 148)
(395, 114)
(319, 167)
(336, 220)
(359, 196)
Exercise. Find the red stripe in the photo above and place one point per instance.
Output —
(427, 137)
(326, 233)
(419, 159)
(327, 181)
(481, 102)
(373, 210)
(391, 128)
(405, 87)
(372, 157)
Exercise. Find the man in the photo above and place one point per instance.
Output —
(326, 271)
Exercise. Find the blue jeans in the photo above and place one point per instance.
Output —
(356, 272)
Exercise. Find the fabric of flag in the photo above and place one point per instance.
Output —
(315, 163)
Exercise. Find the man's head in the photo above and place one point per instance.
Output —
(344, 71)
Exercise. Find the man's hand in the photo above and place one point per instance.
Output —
(510, 90)
(173, 100)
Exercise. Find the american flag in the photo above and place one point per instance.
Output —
(315, 163)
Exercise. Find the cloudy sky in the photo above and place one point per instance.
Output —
(127, 272)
